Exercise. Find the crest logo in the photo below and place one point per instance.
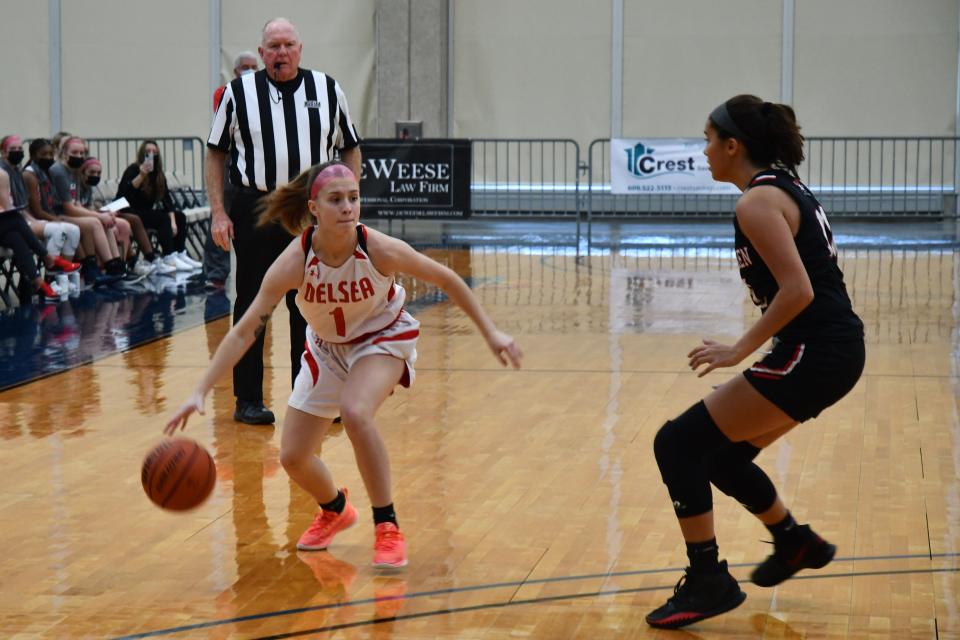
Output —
(641, 163)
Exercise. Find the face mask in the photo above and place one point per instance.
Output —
(247, 71)
(44, 163)
(74, 162)
(93, 180)
(15, 157)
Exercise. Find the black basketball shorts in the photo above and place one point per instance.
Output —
(803, 379)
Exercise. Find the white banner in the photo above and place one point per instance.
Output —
(662, 165)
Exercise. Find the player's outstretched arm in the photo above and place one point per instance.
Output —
(284, 274)
(391, 255)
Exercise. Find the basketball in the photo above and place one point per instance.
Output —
(178, 474)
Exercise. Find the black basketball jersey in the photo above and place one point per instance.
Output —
(830, 316)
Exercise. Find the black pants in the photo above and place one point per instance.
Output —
(257, 248)
(160, 222)
(16, 234)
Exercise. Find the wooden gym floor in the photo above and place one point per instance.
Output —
(531, 501)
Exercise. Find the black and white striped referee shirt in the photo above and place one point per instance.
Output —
(274, 131)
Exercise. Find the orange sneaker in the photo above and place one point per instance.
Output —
(325, 525)
(389, 548)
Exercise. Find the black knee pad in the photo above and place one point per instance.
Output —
(682, 448)
(732, 471)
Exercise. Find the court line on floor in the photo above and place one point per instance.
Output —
(522, 583)
(570, 596)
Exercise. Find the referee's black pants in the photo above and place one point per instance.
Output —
(256, 249)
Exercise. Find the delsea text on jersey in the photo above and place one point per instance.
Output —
(344, 291)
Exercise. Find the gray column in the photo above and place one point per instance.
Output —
(616, 69)
(412, 65)
(215, 44)
(53, 26)
(786, 51)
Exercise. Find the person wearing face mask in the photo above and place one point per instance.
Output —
(16, 235)
(216, 261)
(65, 176)
(62, 238)
(11, 155)
(44, 206)
(145, 187)
(91, 198)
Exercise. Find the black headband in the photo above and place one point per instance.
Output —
(721, 117)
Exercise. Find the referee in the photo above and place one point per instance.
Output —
(274, 123)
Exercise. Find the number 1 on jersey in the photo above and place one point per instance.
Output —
(340, 321)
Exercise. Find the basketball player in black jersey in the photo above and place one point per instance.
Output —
(788, 261)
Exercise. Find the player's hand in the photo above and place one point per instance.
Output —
(179, 419)
(221, 229)
(505, 349)
(714, 355)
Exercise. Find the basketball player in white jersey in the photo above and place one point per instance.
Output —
(360, 343)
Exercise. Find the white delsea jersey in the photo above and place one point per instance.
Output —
(350, 302)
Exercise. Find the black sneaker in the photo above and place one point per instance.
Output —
(253, 413)
(696, 597)
(813, 553)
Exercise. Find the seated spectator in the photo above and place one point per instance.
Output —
(145, 187)
(58, 139)
(62, 238)
(44, 205)
(17, 236)
(65, 177)
(90, 173)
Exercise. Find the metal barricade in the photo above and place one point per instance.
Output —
(537, 178)
(864, 177)
(182, 157)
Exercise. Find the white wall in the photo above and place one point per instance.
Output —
(683, 58)
(24, 80)
(532, 69)
(876, 67)
(135, 69)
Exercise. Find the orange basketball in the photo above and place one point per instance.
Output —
(178, 474)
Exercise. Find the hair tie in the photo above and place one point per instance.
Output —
(331, 172)
(722, 118)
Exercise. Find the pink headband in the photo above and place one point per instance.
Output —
(88, 162)
(10, 141)
(332, 172)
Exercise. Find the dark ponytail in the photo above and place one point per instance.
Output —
(287, 204)
(768, 130)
